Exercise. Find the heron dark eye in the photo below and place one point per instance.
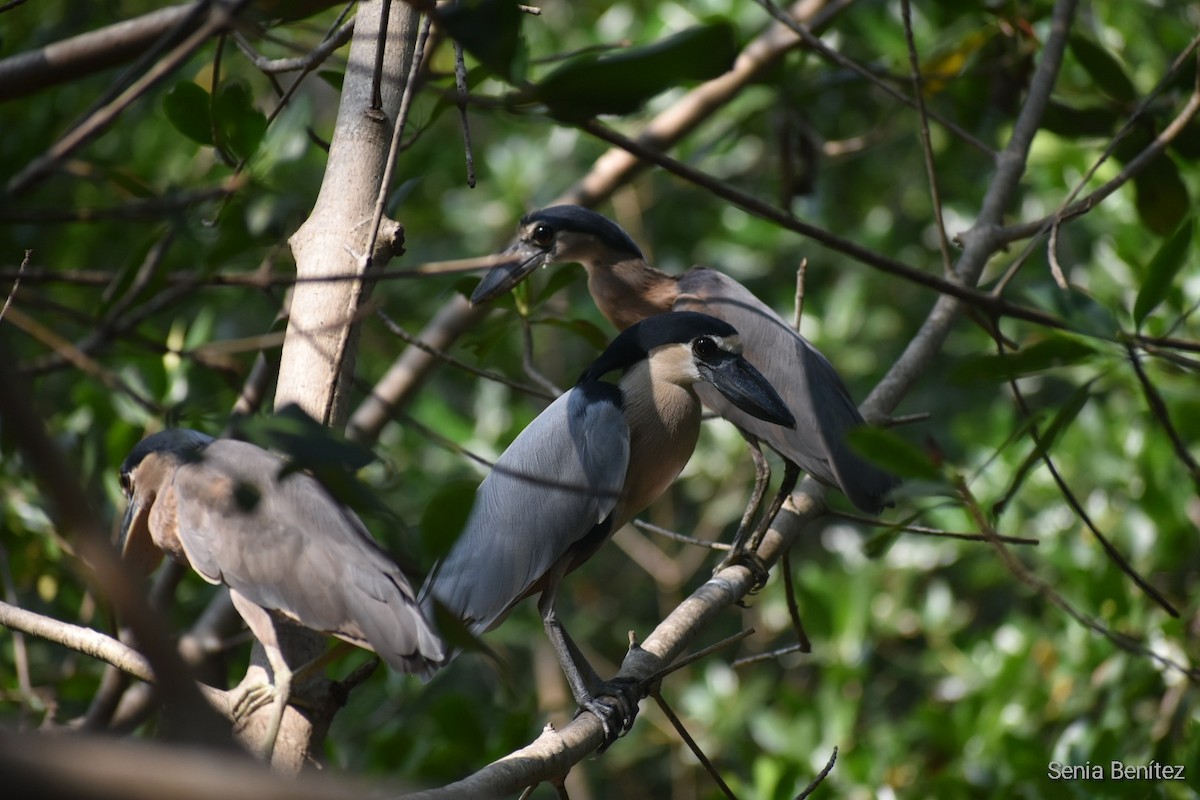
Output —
(542, 236)
(705, 347)
(125, 483)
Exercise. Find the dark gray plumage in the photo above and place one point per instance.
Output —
(627, 289)
(597, 456)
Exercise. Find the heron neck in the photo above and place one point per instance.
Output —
(664, 424)
(630, 290)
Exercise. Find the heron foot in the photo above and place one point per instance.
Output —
(615, 704)
(254, 697)
(751, 561)
(261, 695)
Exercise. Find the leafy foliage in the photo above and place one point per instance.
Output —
(935, 669)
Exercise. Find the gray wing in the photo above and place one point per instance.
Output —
(286, 545)
(555, 483)
(805, 380)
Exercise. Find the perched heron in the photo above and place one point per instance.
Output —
(596, 457)
(627, 289)
(284, 547)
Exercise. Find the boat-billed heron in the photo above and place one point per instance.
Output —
(627, 289)
(596, 457)
(286, 549)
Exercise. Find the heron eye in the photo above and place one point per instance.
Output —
(543, 235)
(705, 347)
(125, 484)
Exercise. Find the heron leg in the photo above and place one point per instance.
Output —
(762, 476)
(606, 699)
(791, 474)
(276, 692)
(745, 553)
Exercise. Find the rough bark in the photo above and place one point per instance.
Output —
(317, 362)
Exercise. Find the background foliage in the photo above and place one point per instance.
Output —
(935, 669)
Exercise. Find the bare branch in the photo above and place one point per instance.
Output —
(218, 19)
(307, 62)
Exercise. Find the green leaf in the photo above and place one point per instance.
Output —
(558, 279)
(1064, 417)
(187, 108)
(1056, 351)
(1104, 69)
(334, 77)
(1078, 308)
(619, 82)
(581, 327)
(490, 30)
(1165, 265)
(240, 125)
(445, 516)
(1162, 196)
(1077, 123)
(894, 453)
(1187, 142)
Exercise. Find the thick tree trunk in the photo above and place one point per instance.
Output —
(317, 362)
(319, 350)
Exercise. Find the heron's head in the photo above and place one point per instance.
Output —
(143, 472)
(557, 235)
(685, 347)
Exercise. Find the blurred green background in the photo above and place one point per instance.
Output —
(935, 670)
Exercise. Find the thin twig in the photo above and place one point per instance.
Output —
(1158, 407)
(460, 86)
(385, 10)
(1113, 553)
(16, 283)
(307, 62)
(954, 288)
(770, 655)
(789, 593)
(830, 54)
(20, 654)
(924, 531)
(677, 723)
(527, 361)
(220, 15)
(801, 273)
(1014, 565)
(403, 335)
(679, 537)
(696, 656)
(1068, 209)
(824, 773)
(83, 362)
(410, 89)
(926, 142)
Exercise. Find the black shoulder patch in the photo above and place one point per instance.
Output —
(594, 391)
(583, 220)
